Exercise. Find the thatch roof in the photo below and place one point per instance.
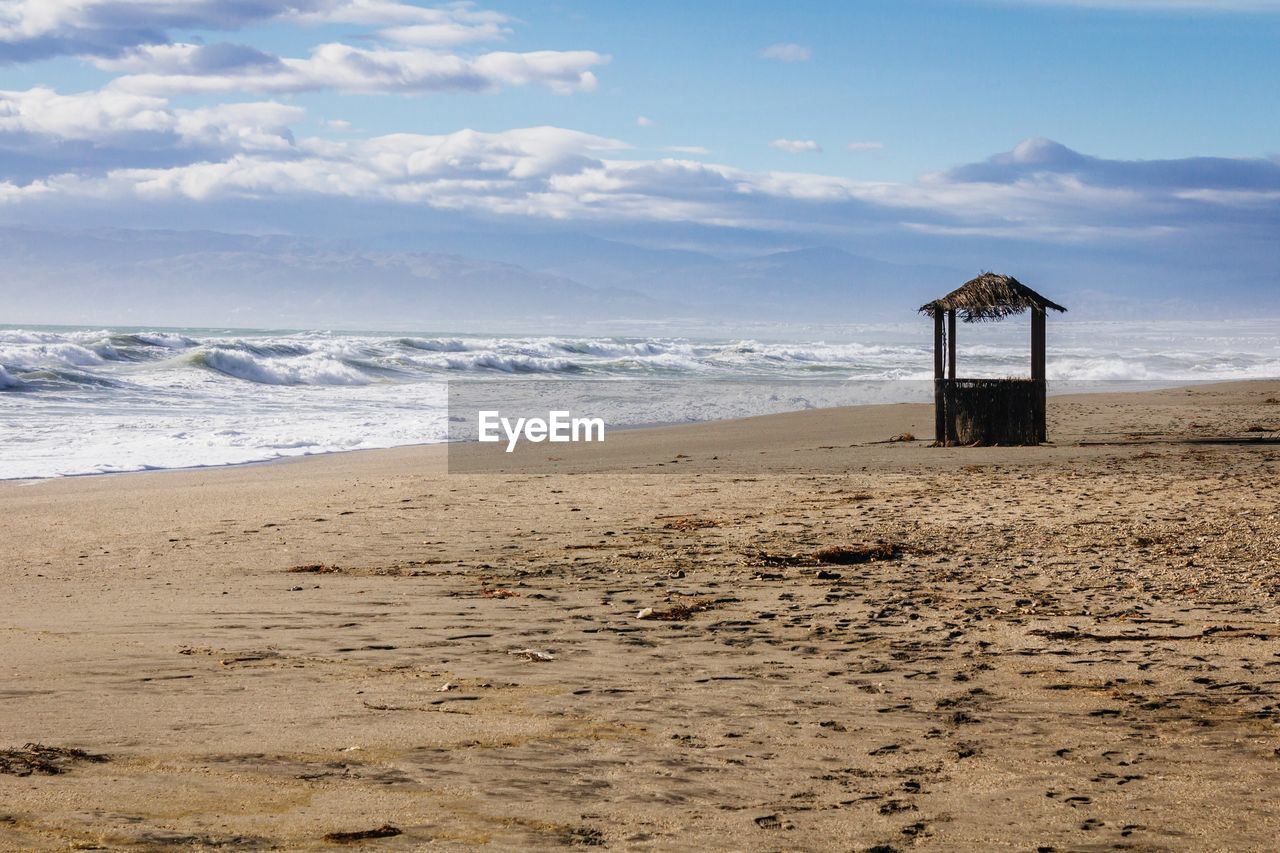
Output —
(990, 296)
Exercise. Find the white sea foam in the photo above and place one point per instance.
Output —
(32, 356)
(303, 369)
(8, 381)
(435, 345)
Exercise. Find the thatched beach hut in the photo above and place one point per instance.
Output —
(988, 411)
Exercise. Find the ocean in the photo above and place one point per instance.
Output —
(82, 401)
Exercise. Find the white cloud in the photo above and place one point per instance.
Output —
(386, 12)
(556, 173)
(92, 115)
(796, 146)
(786, 52)
(120, 118)
(508, 172)
(450, 25)
(1232, 198)
(197, 69)
(123, 148)
(449, 34)
(865, 146)
(562, 71)
(36, 29)
(257, 127)
(644, 121)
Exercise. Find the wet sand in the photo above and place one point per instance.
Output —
(1073, 647)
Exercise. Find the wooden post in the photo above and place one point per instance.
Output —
(939, 407)
(948, 388)
(1038, 368)
(951, 344)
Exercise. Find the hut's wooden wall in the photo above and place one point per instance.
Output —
(993, 411)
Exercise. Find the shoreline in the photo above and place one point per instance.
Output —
(613, 430)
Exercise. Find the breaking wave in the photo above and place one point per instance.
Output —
(7, 381)
(329, 359)
(308, 368)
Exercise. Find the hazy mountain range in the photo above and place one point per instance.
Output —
(141, 277)
(465, 281)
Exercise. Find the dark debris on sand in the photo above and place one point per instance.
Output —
(839, 555)
(682, 608)
(47, 760)
(583, 836)
(384, 831)
(688, 522)
(846, 555)
(161, 840)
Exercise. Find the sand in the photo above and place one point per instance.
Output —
(1071, 647)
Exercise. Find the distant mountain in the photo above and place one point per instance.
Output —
(159, 277)
(582, 257)
(801, 284)
(210, 278)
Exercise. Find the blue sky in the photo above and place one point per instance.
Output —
(936, 128)
(936, 83)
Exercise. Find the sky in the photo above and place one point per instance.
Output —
(1068, 137)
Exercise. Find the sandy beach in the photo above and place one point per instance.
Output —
(848, 643)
